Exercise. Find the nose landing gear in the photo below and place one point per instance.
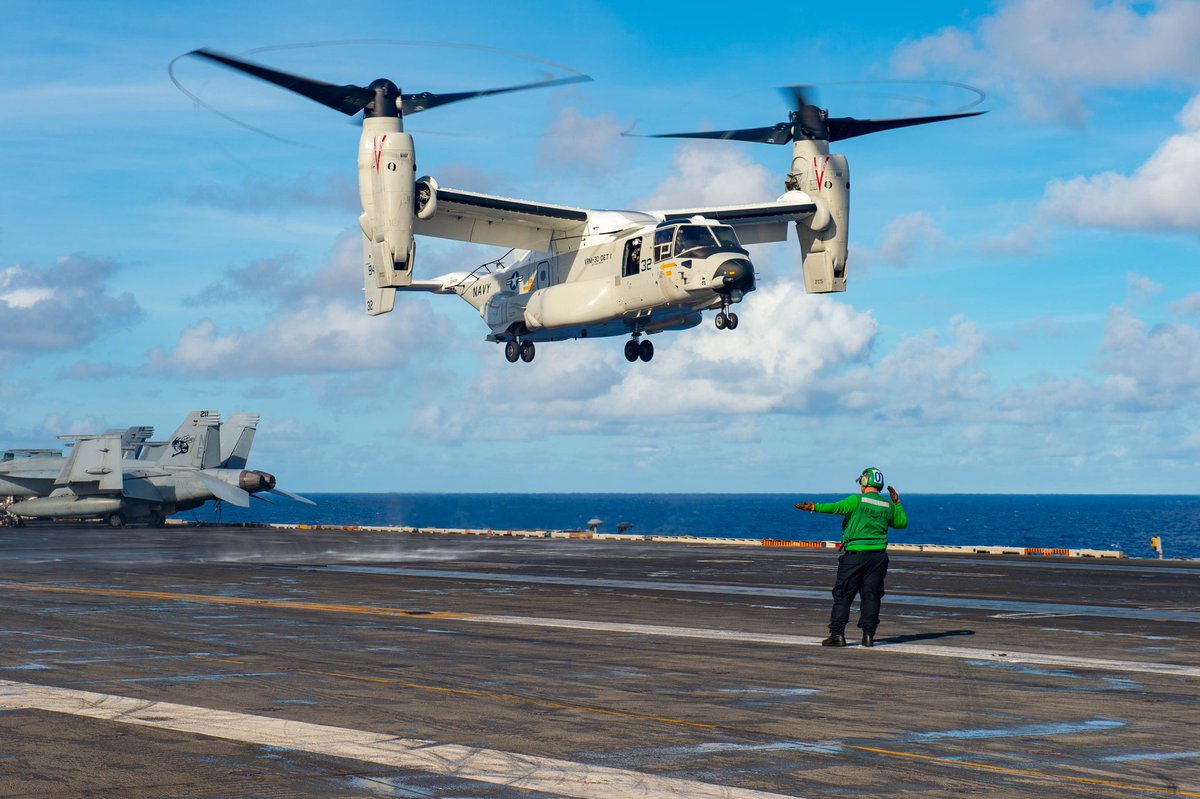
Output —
(726, 319)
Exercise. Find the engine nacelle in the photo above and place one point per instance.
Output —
(386, 167)
(824, 239)
(426, 197)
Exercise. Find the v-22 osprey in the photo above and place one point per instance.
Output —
(584, 273)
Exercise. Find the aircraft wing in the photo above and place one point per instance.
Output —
(502, 221)
(757, 223)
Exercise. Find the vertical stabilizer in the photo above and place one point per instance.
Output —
(196, 443)
(93, 459)
(237, 436)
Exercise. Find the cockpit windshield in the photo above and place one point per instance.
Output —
(725, 236)
(691, 237)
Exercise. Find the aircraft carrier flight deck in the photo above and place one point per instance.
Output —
(230, 662)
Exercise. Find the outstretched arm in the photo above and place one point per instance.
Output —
(899, 517)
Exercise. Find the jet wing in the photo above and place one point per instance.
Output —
(502, 221)
(755, 224)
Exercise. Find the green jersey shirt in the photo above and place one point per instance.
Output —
(866, 519)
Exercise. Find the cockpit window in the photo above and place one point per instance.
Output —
(690, 237)
(662, 243)
(725, 236)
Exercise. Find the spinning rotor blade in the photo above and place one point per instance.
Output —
(347, 99)
(413, 103)
(350, 99)
(849, 127)
(809, 121)
(777, 134)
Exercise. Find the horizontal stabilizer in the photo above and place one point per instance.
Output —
(290, 495)
(224, 491)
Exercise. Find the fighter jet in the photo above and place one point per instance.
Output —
(122, 476)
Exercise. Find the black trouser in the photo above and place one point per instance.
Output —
(858, 573)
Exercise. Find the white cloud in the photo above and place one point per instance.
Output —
(911, 238)
(1141, 288)
(786, 345)
(713, 173)
(577, 141)
(1047, 55)
(315, 338)
(1188, 306)
(1150, 366)
(59, 308)
(1160, 195)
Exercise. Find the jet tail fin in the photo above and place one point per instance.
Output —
(196, 443)
(93, 459)
(237, 437)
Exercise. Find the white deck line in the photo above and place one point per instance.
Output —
(881, 648)
(513, 770)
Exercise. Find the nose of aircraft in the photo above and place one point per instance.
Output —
(254, 481)
(736, 273)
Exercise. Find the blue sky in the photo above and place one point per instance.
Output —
(1024, 304)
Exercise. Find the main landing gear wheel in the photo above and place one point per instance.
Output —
(731, 320)
(632, 350)
(646, 351)
(721, 321)
(527, 351)
(512, 351)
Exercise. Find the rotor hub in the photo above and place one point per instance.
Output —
(386, 99)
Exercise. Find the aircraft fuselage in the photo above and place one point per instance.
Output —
(629, 274)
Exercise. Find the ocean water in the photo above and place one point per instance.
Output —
(1036, 520)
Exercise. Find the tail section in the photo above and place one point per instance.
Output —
(93, 459)
(237, 437)
(195, 444)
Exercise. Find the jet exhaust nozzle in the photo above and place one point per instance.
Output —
(255, 481)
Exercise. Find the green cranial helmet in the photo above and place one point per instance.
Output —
(871, 477)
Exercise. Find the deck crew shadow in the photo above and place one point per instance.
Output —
(904, 639)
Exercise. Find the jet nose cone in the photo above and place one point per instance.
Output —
(736, 273)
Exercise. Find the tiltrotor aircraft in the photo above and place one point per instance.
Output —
(122, 476)
(585, 273)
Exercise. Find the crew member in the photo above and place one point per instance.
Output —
(863, 564)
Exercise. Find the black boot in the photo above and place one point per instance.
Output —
(834, 639)
(868, 638)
